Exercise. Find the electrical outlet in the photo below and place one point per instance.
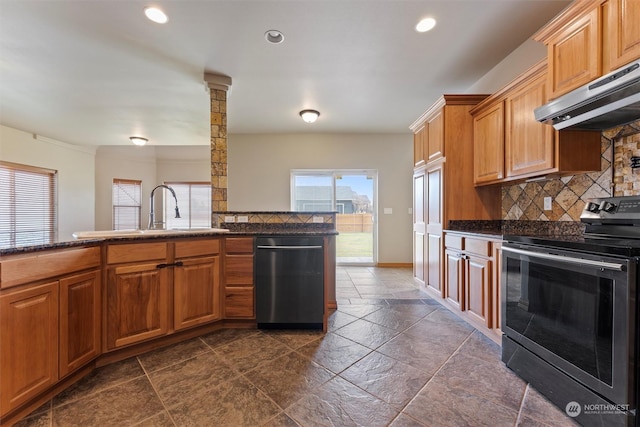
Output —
(243, 218)
(547, 203)
(388, 211)
(317, 219)
(410, 211)
(229, 218)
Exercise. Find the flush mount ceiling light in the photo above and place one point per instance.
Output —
(138, 140)
(156, 15)
(425, 25)
(309, 116)
(274, 36)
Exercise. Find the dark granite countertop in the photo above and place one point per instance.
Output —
(501, 228)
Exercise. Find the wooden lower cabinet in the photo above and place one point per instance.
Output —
(137, 303)
(196, 292)
(80, 320)
(472, 284)
(239, 291)
(29, 343)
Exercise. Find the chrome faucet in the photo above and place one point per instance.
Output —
(152, 223)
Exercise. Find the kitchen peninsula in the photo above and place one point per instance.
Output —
(68, 307)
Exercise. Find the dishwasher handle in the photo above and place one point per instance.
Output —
(288, 247)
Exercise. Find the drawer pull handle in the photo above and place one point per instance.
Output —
(175, 264)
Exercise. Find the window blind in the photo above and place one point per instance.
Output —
(194, 201)
(28, 205)
(126, 202)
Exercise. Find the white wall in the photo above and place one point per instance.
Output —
(260, 166)
(152, 166)
(75, 166)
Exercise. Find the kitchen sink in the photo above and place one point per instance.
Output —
(106, 234)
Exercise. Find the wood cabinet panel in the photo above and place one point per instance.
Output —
(488, 149)
(239, 302)
(434, 262)
(529, 145)
(621, 33)
(419, 226)
(197, 292)
(239, 245)
(194, 248)
(136, 252)
(238, 270)
(418, 146)
(28, 344)
(138, 303)
(574, 54)
(28, 268)
(454, 278)
(80, 320)
(478, 298)
(477, 246)
(435, 137)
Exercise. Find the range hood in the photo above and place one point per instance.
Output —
(611, 100)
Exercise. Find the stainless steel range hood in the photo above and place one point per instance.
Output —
(609, 101)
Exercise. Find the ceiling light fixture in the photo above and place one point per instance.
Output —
(274, 36)
(425, 25)
(309, 116)
(138, 140)
(156, 15)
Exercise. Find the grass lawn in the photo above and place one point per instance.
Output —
(354, 245)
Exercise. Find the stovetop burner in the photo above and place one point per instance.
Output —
(612, 227)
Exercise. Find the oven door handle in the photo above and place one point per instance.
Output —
(579, 261)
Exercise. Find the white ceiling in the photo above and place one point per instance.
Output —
(95, 72)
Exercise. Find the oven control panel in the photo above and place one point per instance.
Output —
(626, 208)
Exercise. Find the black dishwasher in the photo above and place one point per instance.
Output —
(289, 282)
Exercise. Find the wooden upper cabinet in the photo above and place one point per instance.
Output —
(418, 146)
(435, 136)
(488, 147)
(621, 42)
(588, 39)
(529, 145)
(574, 54)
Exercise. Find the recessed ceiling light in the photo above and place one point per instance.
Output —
(425, 25)
(138, 140)
(274, 36)
(156, 15)
(309, 116)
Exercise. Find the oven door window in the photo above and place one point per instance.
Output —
(567, 309)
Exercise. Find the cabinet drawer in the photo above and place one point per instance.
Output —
(451, 241)
(238, 270)
(477, 246)
(238, 302)
(239, 245)
(133, 252)
(197, 248)
(25, 269)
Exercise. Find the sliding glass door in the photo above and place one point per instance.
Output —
(350, 193)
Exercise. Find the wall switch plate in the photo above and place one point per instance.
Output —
(243, 218)
(230, 218)
(388, 211)
(317, 219)
(547, 203)
(410, 211)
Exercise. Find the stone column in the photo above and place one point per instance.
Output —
(219, 86)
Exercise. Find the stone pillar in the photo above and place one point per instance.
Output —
(219, 86)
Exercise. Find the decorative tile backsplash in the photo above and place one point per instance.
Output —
(568, 194)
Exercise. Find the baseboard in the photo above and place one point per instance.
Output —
(394, 264)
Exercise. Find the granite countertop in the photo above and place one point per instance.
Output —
(71, 243)
(501, 228)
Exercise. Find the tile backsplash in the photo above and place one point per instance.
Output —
(568, 194)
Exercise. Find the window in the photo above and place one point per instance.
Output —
(28, 196)
(194, 201)
(126, 202)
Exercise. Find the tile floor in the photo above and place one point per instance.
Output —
(392, 356)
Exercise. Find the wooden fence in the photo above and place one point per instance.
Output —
(354, 223)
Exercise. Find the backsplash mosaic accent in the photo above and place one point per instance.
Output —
(275, 221)
(526, 201)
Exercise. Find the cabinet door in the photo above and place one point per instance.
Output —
(28, 344)
(488, 145)
(419, 226)
(80, 322)
(434, 227)
(138, 303)
(496, 308)
(239, 302)
(574, 54)
(435, 138)
(418, 146)
(622, 34)
(196, 292)
(454, 278)
(529, 145)
(478, 275)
